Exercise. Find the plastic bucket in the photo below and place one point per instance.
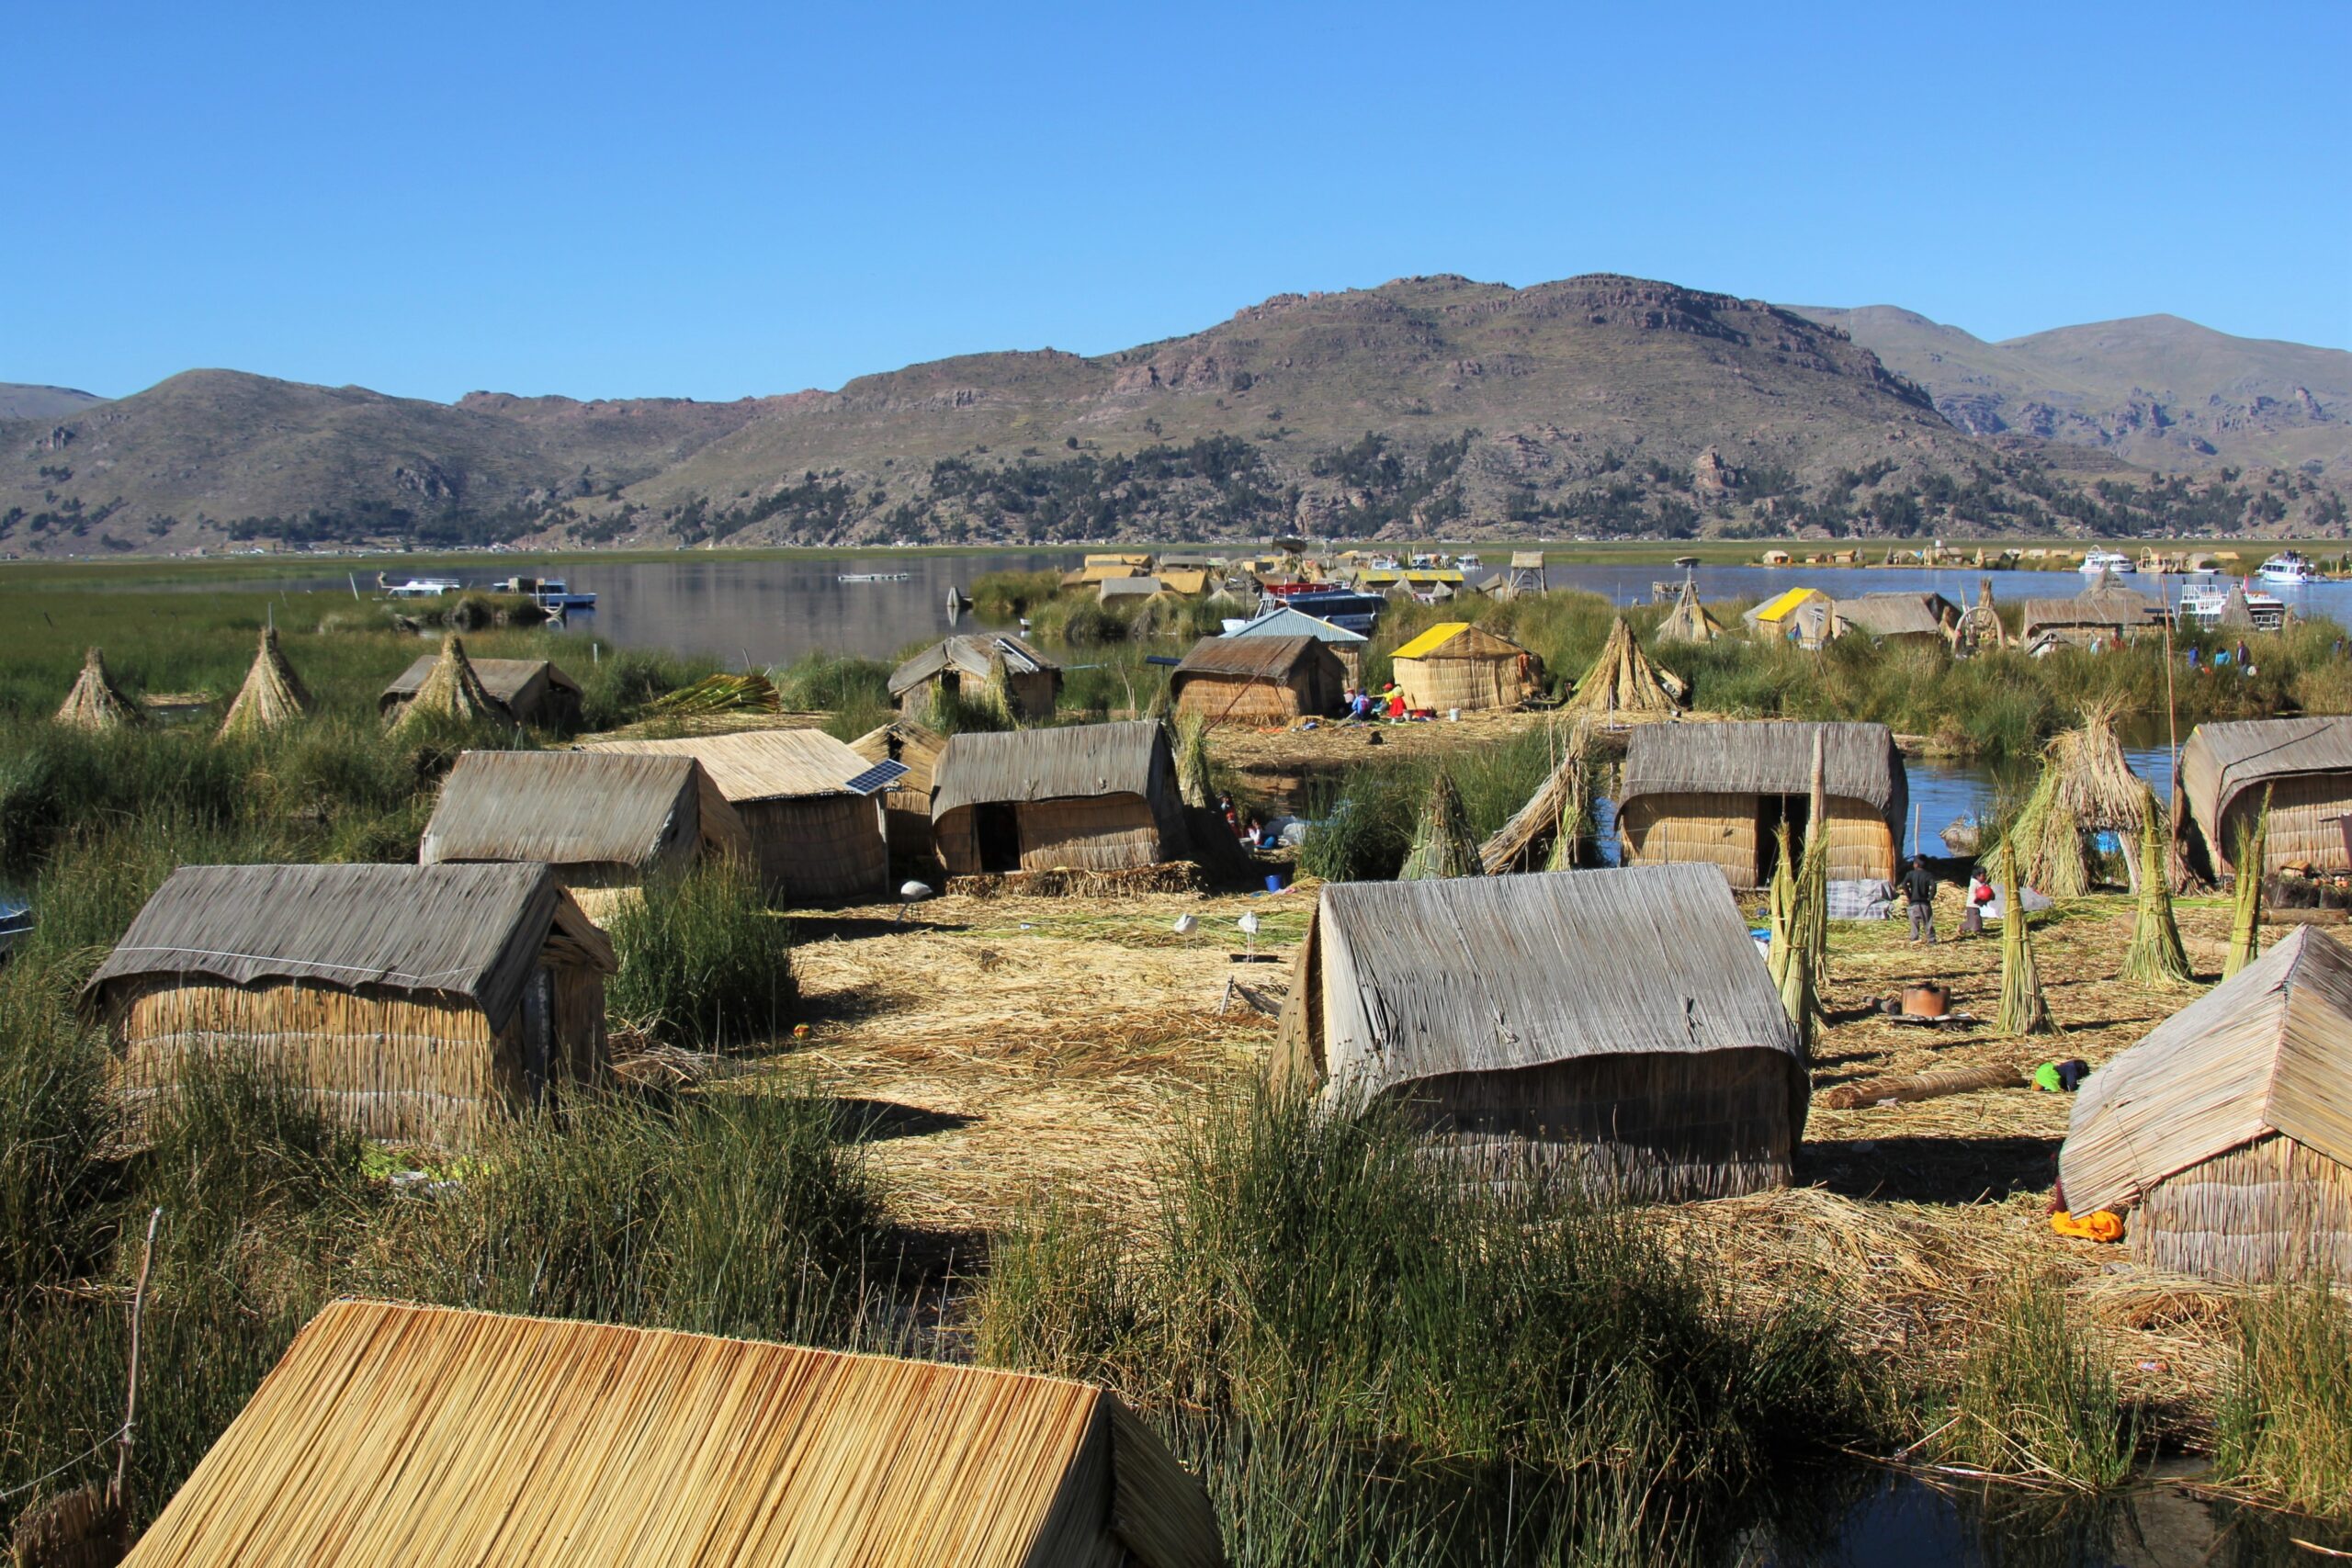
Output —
(1274, 882)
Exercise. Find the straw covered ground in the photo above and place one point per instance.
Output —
(1001, 1050)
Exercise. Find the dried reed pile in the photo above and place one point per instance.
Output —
(95, 703)
(1916, 1087)
(750, 693)
(271, 696)
(2085, 786)
(2246, 898)
(1193, 779)
(451, 691)
(2024, 1010)
(1623, 679)
(2155, 956)
(1077, 881)
(1442, 842)
(1560, 811)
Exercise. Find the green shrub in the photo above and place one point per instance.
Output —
(703, 961)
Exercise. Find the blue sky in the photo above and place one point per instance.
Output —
(719, 201)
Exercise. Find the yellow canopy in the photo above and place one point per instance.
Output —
(1777, 607)
(1431, 641)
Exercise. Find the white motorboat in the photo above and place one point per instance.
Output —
(2116, 561)
(2201, 604)
(420, 587)
(2286, 570)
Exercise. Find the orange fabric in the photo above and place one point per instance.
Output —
(2103, 1225)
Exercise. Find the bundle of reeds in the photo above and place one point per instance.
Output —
(2085, 786)
(450, 690)
(1557, 819)
(1915, 1087)
(1688, 620)
(95, 703)
(2155, 956)
(1623, 679)
(2024, 1010)
(1809, 932)
(2246, 897)
(997, 697)
(1781, 915)
(751, 692)
(271, 696)
(1192, 775)
(1442, 842)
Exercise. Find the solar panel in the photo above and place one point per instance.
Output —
(880, 776)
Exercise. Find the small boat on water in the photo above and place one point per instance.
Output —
(2116, 561)
(2202, 603)
(419, 587)
(874, 577)
(548, 593)
(2288, 568)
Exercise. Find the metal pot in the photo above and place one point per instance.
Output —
(1927, 999)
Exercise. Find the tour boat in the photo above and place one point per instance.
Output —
(422, 588)
(2286, 570)
(2097, 562)
(2202, 603)
(549, 592)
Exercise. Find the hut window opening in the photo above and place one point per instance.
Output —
(996, 832)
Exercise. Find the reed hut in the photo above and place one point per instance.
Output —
(1258, 680)
(1347, 647)
(1129, 591)
(1100, 568)
(95, 703)
(1806, 617)
(1717, 794)
(2085, 786)
(450, 692)
(600, 819)
(389, 1435)
(2225, 1135)
(1087, 797)
(1623, 679)
(906, 800)
(971, 666)
(1898, 617)
(2102, 615)
(271, 696)
(521, 691)
(1615, 1025)
(417, 1002)
(1457, 665)
(2303, 766)
(813, 808)
(1688, 620)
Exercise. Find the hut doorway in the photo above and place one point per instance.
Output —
(1772, 811)
(996, 835)
(538, 1033)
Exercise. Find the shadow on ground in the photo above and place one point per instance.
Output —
(1930, 1170)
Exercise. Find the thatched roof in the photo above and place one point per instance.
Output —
(1131, 587)
(272, 693)
(391, 1435)
(2268, 1050)
(1690, 621)
(904, 740)
(1255, 657)
(449, 688)
(1765, 757)
(503, 678)
(2222, 761)
(1070, 764)
(1285, 621)
(974, 654)
(95, 703)
(1898, 615)
(761, 765)
(473, 931)
(578, 809)
(1425, 978)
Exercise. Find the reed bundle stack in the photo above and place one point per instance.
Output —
(2246, 898)
(2225, 1135)
(1082, 798)
(2085, 786)
(1916, 1087)
(2155, 956)
(1194, 778)
(751, 692)
(1658, 1064)
(812, 806)
(1549, 833)
(1442, 843)
(397, 1434)
(1623, 679)
(1711, 793)
(447, 690)
(601, 818)
(994, 670)
(272, 693)
(94, 703)
(2024, 1010)
(1457, 665)
(1258, 680)
(2303, 767)
(1688, 620)
(414, 1003)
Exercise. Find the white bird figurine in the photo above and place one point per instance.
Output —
(1248, 924)
(1186, 925)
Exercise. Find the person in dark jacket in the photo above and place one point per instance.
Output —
(1919, 892)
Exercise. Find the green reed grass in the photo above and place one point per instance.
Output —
(2285, 1423)
(2035, 1398)
(703, 961)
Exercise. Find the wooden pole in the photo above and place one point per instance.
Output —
(131, 1400)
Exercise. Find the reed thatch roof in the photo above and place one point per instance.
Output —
(2268, 1050)
(2222, 761)
(1688, 620)
(904, 740)
(1467, 975)
(1256, 657)
(272, 693)
(398, 1435)
(1131, 587)
(578, 809)
(1898, 615)
(95, 703)
(449, 689)
(1069, 763)
(473, 931)
(1766, 757)
(1285, 621)
(760, 764)
(974, 654)
(503, 678)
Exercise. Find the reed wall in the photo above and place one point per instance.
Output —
(825, 846)
(1110, 832)
(2274, 1209)
(1468, 683)
(1732, 833)
(1652, 1126)
(2304, 827)
(1244, 699)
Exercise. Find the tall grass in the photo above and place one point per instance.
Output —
(853, 693)
(2034, 1397)
(2285, 1423)
(1363, 828)
(703, 961)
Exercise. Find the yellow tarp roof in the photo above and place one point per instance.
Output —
(1776, 608)
(1437, 636)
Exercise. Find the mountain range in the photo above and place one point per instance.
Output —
(1596, 405)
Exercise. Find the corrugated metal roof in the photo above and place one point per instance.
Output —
(1491, 973)
(2223, 759)
(1284, 620)
(1071, 763)
(391, 1435)
(2264, 1051)
(464, 930)
(972, 653)
(1765, 757)
(501, 678)
(1272, 658)
(759, 764)
(565, 807)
